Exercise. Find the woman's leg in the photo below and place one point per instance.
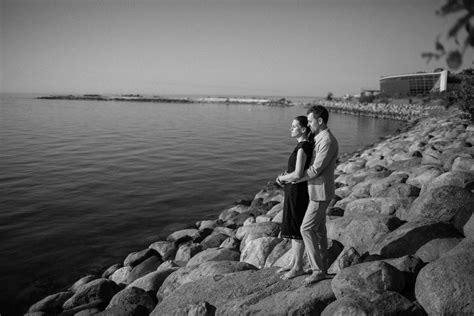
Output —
(297, 269)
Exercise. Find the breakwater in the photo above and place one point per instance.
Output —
(401, 242)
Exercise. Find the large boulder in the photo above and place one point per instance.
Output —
(214, 254)
(446, 286)
(188, 250)
(251, 291)
(100, 289)
(166, 249)
(369, 277)
(152, 281)
(135, 258)
(51, 303)
(291, 301)
(410, 266)
(206, 269)
(214, 240)
(145, 267)
(256, 251)
(277, 252)
(272, 192)
(411, 236)
(384, 303)
(129, 298)
(257, 230)
(120, 276)
(348, 257)
(359, 231)
(183, 233)
(436, 248)
(380, 205)
(424, 175)
(450, 204)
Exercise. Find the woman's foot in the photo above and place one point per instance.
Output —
(284, 269)
(292, 274)
(315, 277)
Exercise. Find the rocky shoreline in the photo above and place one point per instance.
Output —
(401, 242)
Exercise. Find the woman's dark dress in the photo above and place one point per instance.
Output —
(296, 196)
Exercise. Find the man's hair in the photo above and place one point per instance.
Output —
(319, 111)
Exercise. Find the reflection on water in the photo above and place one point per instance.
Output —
(84, 183)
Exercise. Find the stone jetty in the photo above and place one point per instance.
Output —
(401, 241)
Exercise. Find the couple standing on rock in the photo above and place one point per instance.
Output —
(309, 188)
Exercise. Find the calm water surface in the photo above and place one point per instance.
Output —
(83, 183)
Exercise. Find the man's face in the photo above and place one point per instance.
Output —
(313, 123)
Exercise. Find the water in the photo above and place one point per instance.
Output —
(83, 183)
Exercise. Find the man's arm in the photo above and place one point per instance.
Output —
(321, 161)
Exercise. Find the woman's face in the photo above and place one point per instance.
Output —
(296, 129)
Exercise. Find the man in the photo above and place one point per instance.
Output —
(320, 177)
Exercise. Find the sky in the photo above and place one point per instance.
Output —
(213, 47)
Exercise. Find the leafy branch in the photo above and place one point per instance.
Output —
(454, 57)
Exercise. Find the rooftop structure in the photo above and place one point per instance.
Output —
(414, 83)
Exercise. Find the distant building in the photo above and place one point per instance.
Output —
(415, 83)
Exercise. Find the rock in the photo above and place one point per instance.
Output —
(257, 230)
(458, 178)
(182, 234)
(197, 309)
(278, 218)
(225, 230)
(277, 208)
(343, 192)
(206, 224)
(145, 267)
(446, 286)
(51, 303)
(214, 254)
(431, 156)
(120, 276)
(249, 220)
(100, 289)
(233, 211)
(408, 238)
(468, 228)
(131, 297)
(194, 273)
(410, 266)
(137, 310)
(369, 277)
(240, 218)
(384, 303)
(152, 281)
(384, 206)
(188, 250)
(231, 243)
(446, 204)
(348, 257)
(166, 249)
(404, 164)
(263, 218)
(135, 258)
(423, 176)
(257, 250)
(380, 186)
(436, 248)
(248, 292)
(82, 281)
(353, 166)
(293, 301)
(214, 240)
(272, 192)
(110, 270)
(277, 252)
(359, 231)
(463, 164)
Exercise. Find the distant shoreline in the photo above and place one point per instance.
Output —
(159, 99)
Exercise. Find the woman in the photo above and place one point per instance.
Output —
(296, 194)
